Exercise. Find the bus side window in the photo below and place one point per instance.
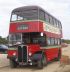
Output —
(20, 18)
(48, 41)
(57, 24)
(56, 41)
(59, 42)
(46, 17)
(54, 22)
(51, 20)
(52, 41)
(42, 15)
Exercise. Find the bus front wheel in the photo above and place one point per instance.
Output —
(13, 64)
(44, 60)
(59, 56)
(40, 64)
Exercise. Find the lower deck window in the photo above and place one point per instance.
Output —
(56, 41)
(28, 38)
(53, 41)
(49, 41)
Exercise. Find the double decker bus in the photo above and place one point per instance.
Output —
(34, 37)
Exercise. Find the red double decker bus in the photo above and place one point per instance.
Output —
(34, 37)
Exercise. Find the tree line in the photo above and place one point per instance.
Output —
(3, 40)
(66, 41)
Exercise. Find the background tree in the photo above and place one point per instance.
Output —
(3, 40)
(66, 41)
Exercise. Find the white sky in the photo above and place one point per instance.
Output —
(58, 8)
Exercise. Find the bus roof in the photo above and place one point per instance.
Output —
(24, 8)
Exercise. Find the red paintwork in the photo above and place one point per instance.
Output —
(53, 35)
(33, 48)
(51, 53)
(10, 52)
(35, 26)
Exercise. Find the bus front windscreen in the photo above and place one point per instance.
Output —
(25, 15)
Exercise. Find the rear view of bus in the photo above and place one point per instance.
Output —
(34, 37)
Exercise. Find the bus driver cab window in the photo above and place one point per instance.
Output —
(42, 40)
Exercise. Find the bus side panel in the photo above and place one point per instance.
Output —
(35, 26)
(33, 48)
(52, 53)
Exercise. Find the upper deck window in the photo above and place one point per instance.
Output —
(14, 17)
(46, 17)
(41, 15)
(20, 18)
(24, 15)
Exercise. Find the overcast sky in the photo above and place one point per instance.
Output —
(58, 8)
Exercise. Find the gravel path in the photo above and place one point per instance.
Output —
(3, 60)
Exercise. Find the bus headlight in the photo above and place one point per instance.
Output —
(14, 53)
(30, 53)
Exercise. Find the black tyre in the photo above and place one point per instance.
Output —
(40, 64)
(59, 56)
(13, 64)
(44, 60)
